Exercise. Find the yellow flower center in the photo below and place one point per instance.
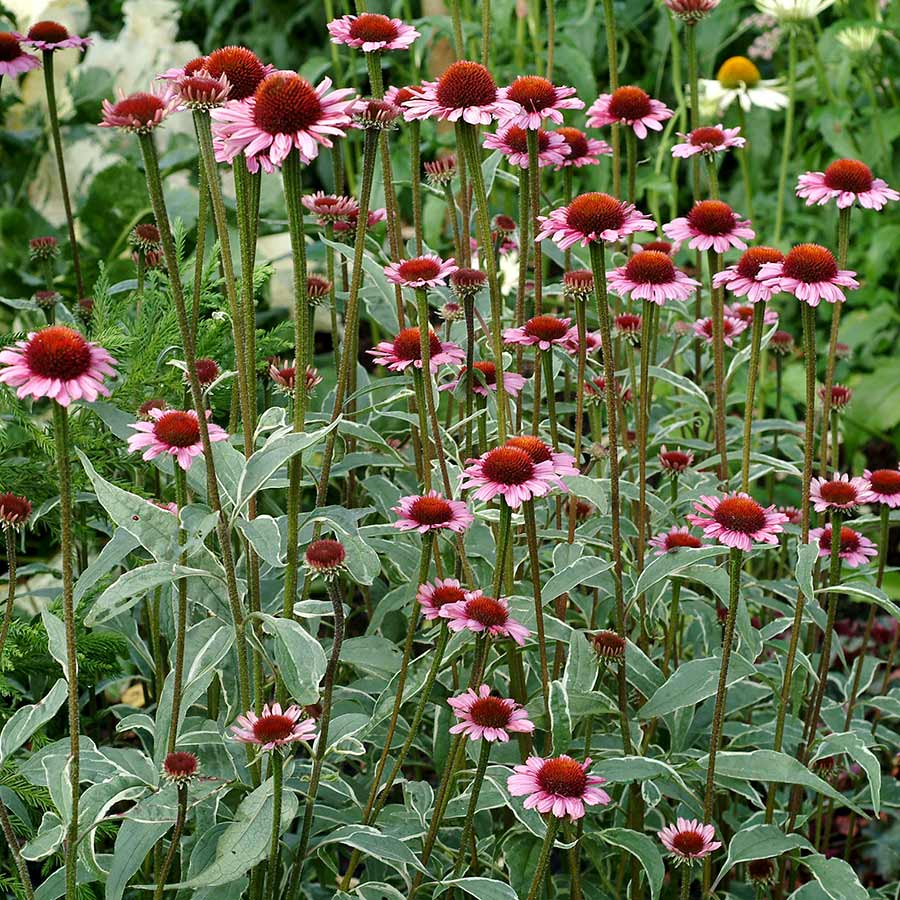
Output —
(736, 71)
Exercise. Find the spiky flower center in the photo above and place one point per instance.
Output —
(14, 510)
(147, 232)
(712, 217)
(180, 765)
(286, 104)
(9, 47)
(810, 263)
(674, 459)
(177, 429)
(849, 539)
(507, 224)
(272, 728)
(761, 870)
(410, 92)
(782, 340)
(447, 594)
(675, 539)
(420, 269)
(563, 777)
(532, 92)
(659, 246)
(508, 466)
(629, 323)
(885, 481)
(579, 280)
(577, 141)
(708, 136)
(737, 71)
(487, 369)
(466, 84)
(490, 712)
(594, 213)
(536, 449)
(207, 370)
(629, 104)
(373, 27)
(468, 278)
(317, 287)
(431, 511)
(152, 403)
(754, 258)
(608, 644)
(517, 139)
(195, 65)
(242, 68)
(688, 843)
(141, 107)
(408, 344)
(487, 611)
(52, 32)
(740, 514)
(849, 175)
(325, 554)
(58, 352)
(546, 328)
(650, 267)
(839, 493)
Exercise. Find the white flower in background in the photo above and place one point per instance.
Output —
(739, 79)
(793, 10)
(858, 38)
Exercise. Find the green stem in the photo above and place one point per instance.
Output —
(744, 158)
(275, 845)
(504, 529)
(181, 614)
(546, 849)
(534, 191)
(199, 249)
(477, 781)
(685, 892)
(648, 330)
(787, 139)
(12, 843)
(174, 844)
(690, 44)
(671, 651)
(609, 23)
(421, 404)
(550, 389)
(581, 327)
(631, 161)
(752, 374)
(535, 565)
(485, 33)
(9, 535)
(718, 343)
(416, 167)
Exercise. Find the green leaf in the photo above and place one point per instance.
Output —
(644, 849)
(113, 552)
(760, 842)
(381, 846)
(24, 722)
(482, 888)
(56, 641)
(574, 574)
(624, 769)
(836, 878)
(560, 719)
(663, 567)
(299, 657)
(581, 666)
(682, 383)
(807, 554)
(852, 744)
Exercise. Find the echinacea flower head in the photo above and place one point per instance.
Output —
(47, 299)
(583, 150)
(593, 341)
(173, 431)
(747, 311)
(144, 410)
(737, 520)
(731, 328)
(145, 237)
(138, 113)
(202, 91)
(484, 615)
(242, 67)
(673, 540)
(884, 486)
(511, 473)
(434, 596)
(794, 516)
(318, 289)
(809, 272)
(839, 492)
(560, 786)
(431, 512)
(739, 79)
(689, 840)
(440, 171)
(485, 380)
(14, 510)
(399, 95)
(744, 280)
(651, 275)
(484, 717)
(846, 181)
(58, 363)
(451, 312)
(371, 31)
(675, 461)
(856, 549)
(284, 377)
(420, 271)
(536, 99)
(512, 142)
(628, 326)
(325, 557)
(49, 36)
(541, 331)
(708, 140)
(465, 92)
(762, 872)
(691, 11)
(349, 224)
(631, 106)
(710, 225)
(285, 113)
(406, 350)
(376, 115)
(191, 67)
(608, 645)
(793, 10)
(207, 371)
(592, 217)
(328, 207)
(273, 728)
(180, 767)
(40, 249)
(539, 451)
(13, 59)
(841, 395)
(595, 390)
(466, 283)
(782, 343)
(579, 283)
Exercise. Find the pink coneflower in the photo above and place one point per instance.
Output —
(440, 171)
(745, 312)
(667, 247)
(374, 217)
(169, 507)
(484, 717)
(330, 206)
(608, 645)
(406, 350)
(325, 557)
(13, 59)
(451, 312)
(14, 510)
(371, 31)
(512, 141)
(512, 381)
(708, 140)
(466, 91)
(285, 377)
(674, 539)
(317, 289)
(563, 463)
(47, 299)
(242, 67)
(628, 326)
(420, 271)
(431, 512)
(145, 237)
(58, 363)
(842, 350)
(49, 36)
(40, 249)
(583, 150)
(731, 328)
(399, 95)
(839, 492)
(592, 217)
(689, 840)
(710, 225)
(744, 280)
(579, 283)
(782, 343)
(840, 396)
(180, 767)
(593, 342)
(286, 112)
(560, 786)
(884, 486)
(845, 181)
(481, 614)
(273, 728)
(207, 371)
(144, 410)
(511, 473)
(434, 596)
(630, 106)
(375, 114)
(737, 520)
(855, 548)
(675, 461)
(595, 389)
(138, 113)
(810, 273)
(536, 99)
(691, 11)
(202, 91)
(543, 331)
(189, 68)
(651, 275)
(173, 431)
